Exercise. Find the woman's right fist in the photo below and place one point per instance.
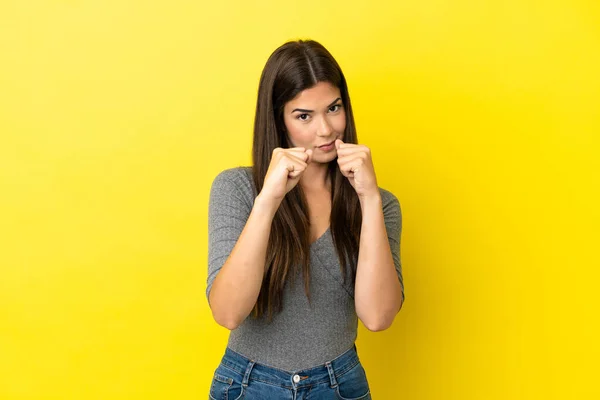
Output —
(285, 169)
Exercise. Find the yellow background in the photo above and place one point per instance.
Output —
(115, 116)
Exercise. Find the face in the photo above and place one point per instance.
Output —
(315, 117)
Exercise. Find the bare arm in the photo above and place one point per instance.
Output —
(237, 285)
(239, 234)
(378, 291)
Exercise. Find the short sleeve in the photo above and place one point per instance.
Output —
(392, 216)
(230, 204)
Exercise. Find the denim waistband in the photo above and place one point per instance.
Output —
(330, 371)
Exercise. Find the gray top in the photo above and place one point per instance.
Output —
(300, 337)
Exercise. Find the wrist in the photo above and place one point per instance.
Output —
(370, 200)
(266, 204)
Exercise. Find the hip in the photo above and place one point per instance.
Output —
(240, 378)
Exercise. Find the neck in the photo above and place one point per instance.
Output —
(315, 178)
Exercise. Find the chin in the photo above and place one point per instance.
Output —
(330, 157)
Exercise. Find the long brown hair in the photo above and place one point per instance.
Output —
(292, 68)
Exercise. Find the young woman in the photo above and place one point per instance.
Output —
(303, 243)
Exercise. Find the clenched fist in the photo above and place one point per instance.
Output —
(285, 169)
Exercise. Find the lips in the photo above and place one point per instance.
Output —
(327, 144)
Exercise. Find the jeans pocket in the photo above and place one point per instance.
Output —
(226, 385)
(353, 384)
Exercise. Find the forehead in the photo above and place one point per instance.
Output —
(321, 94)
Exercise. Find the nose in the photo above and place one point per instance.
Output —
(324, 128)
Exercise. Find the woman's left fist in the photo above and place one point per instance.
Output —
(356, 164)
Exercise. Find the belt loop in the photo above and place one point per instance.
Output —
(331, 374)
(247, 374)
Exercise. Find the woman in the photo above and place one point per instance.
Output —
(302, 212)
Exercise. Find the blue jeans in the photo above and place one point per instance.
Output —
(238, 377)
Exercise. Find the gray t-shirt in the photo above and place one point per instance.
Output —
(301, 336)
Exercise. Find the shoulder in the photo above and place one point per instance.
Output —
(236, 181)
(392, 212)
(237, 175)
(388, 199)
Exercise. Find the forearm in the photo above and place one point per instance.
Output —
(378, 293)
(237, 285)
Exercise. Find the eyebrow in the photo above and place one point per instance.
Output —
(304, 110)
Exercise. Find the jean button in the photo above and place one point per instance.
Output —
(296, 378)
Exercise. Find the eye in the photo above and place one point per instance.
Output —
(334, 107)
(300, 117)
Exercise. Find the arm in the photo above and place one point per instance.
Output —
(237, 283)
(379, 293)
